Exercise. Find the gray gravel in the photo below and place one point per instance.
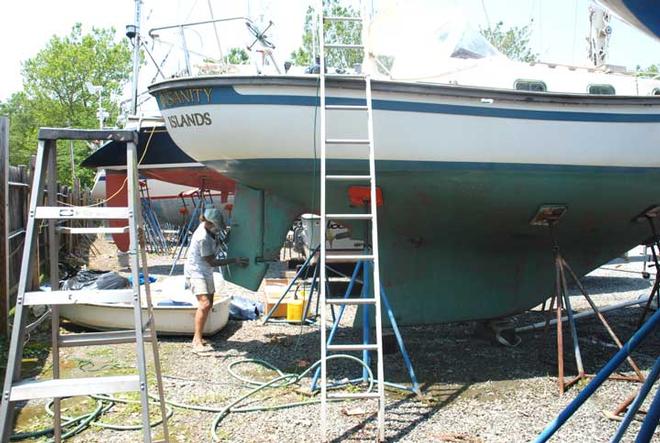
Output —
(475, 389)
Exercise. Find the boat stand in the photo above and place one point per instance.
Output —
(652, 418)
(549, 216)
(364, 266)
(653, 243)
(300, 275)
(203, 198)
(154, 234)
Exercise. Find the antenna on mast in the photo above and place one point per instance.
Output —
(133, 33)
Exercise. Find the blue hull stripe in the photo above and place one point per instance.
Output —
(227, 95)
(401, 166)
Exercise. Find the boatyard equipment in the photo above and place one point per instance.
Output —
(155, 239)
(331, 179)
(654, 243)
(653, 415)
(361, 302)
(549, 216)
(300, 275)
(199, 199)
(17, 390)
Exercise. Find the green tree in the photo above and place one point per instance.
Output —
(335, 32)
(55, 92)
(512, 42)
(237, 56)
(652, 71)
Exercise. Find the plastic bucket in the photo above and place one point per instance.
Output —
(294, 310)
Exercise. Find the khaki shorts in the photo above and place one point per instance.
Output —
(201, 286)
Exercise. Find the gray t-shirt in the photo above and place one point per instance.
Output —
(202, 244)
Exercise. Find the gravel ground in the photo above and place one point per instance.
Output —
(475, 390)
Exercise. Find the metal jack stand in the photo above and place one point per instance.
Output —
(17, 390)
(366, 319)
(650, 422)
(204, 198)
(653, 243)
(549, 216)
(299, 276)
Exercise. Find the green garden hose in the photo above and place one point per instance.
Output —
(105, 402)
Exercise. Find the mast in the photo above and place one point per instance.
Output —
(133, 32)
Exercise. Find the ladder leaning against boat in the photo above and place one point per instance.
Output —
(369, 257)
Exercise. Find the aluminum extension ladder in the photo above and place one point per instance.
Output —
(17, 390)
(369, 216)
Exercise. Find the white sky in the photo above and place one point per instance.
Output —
(559, 26)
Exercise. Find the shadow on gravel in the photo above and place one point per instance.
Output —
(596, 284)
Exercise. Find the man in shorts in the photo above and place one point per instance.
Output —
(199, 266)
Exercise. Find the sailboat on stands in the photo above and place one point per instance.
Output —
(463, 168)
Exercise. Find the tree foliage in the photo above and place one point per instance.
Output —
(335, 32)
(55, 92)
(237, 56)
(652, 71)
(512, 42)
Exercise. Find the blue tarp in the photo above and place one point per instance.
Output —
(242, 308)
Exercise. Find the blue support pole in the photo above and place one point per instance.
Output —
(335, 324)
(651, 421)
(399, 340)
(634, 406)
(602, 375)
(288, 288)
(366, 289)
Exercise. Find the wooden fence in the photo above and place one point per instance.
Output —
(15, 188)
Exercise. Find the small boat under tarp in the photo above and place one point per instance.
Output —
(174, 309)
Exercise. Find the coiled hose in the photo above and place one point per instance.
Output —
(105, 402)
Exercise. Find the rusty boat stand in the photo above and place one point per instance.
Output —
(549, 216)
(653, 242)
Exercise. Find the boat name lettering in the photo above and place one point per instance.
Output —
(192, 119)
(188, 96)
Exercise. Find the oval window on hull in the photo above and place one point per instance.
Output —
(656, 91)
(601, 90)
(530, 85)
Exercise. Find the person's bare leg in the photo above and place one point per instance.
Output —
(203, 309)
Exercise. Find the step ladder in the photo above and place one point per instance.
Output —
(365, 145)
(17, 390)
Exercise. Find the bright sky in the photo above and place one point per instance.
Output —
(559, 26)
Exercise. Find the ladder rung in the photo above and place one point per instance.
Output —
(347, 107)
(348, 141)
(342, 46)
(342, 19)
(356, 347)
(349, 216)
(71, 387)
(80, 212)
(347, 257)
(351, 301)
(97, 230)
(349, 395)
(100, 338)
(81, 296)
(340, 178)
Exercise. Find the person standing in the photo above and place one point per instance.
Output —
(199, 266)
